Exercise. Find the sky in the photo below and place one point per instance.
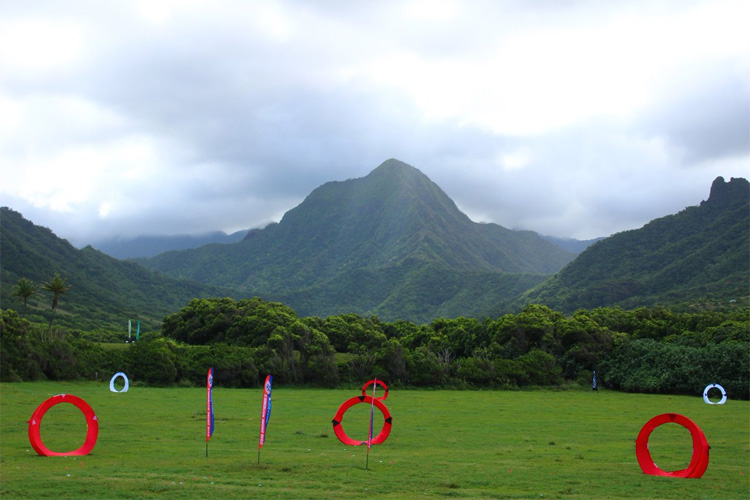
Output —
(574, 119)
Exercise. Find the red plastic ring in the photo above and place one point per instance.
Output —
(339, 430)
(378, 382)
(698, 461)
(36, 422)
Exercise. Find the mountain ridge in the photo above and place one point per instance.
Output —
(145, 246)
(395, 214)
(702, 250)
(103, 289)
(338, 252)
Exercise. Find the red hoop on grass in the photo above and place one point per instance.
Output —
(339, 430)
(698, 461)
(36, 422)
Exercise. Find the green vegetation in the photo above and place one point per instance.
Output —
(391, 243)
(104, 292)
(645, 350)
(444, 444)
(57, 286)
(698, 258)
(24, 290)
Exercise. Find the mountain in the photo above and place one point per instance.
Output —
(148, 246)
(104, 292)
(393, 244)
(366, 245)
(699, 255)
(571, 245)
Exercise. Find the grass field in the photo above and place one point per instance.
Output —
(454, 444)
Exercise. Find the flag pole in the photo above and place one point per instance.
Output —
(372, 415)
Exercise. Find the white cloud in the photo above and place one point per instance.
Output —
(38, 45)
(180, 116)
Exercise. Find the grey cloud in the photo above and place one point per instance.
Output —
(246, 124)
(706, 114)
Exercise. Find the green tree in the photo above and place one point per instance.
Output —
(584, 344)
(151, 361)
(14, 345)
(478, 370)
(320, 366)
(393, 361)
(24, 290)
(540, 368)
(57, 286)
(423, 367)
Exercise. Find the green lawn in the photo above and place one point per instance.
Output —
(456, 444)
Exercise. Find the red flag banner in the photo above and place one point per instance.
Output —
(265, 413)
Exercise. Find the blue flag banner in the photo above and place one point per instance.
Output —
(265, 414)
(593, 383)
(209, 404)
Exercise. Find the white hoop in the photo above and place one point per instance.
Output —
(723, 394)
(112, 382)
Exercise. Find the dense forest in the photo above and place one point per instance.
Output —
(654, 350)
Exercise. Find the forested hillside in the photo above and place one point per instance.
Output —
(699, 257)
(426, 261)
(104, 292)
(391, 243)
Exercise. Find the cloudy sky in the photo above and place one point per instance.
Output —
(574, 119)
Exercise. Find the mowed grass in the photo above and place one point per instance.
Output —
(454, 444)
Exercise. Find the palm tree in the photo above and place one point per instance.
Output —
(24, 290)
(57, 286)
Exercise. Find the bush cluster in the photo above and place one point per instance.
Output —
(643, 350)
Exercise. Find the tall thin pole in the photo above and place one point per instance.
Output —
(372, 416)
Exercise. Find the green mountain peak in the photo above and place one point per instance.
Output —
(393, 222)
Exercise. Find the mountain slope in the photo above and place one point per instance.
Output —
(394, 215)
(364, 245)
(700, 253)
(417, 294)
(104, 293)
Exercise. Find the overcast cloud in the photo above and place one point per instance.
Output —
(573, 119)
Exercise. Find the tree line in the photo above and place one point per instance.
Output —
(653, 350)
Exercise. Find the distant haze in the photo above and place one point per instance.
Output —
(571, 119)
(148, 246)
